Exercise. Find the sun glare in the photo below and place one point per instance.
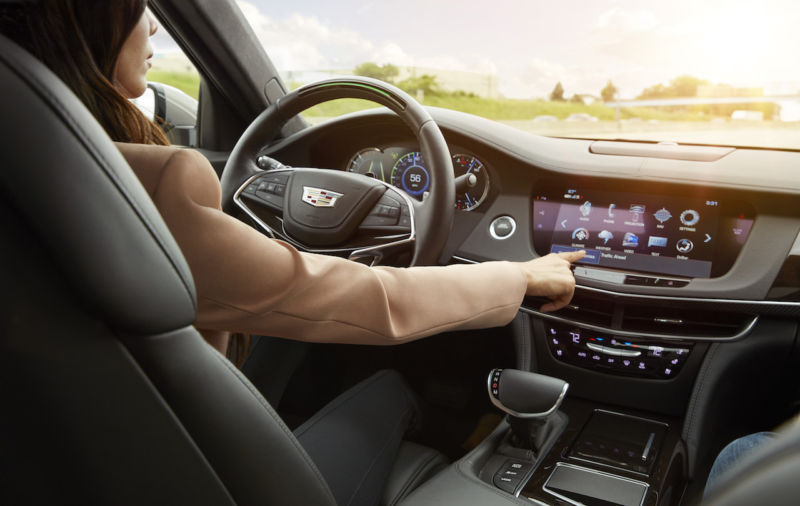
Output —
(738, 46)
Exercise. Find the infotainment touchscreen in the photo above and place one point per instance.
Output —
(658, 233)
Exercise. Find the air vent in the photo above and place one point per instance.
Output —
(688, 322)
(588, 310)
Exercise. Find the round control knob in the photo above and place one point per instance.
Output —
(503, 227)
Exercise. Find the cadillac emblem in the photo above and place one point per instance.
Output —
(319, 197)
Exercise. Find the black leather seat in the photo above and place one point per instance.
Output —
(108, 394)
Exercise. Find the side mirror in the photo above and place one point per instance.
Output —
(177, 109)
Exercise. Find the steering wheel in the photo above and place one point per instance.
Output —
(338, 212)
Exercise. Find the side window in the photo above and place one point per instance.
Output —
(173, 88)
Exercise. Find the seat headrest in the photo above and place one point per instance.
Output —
(68, 180)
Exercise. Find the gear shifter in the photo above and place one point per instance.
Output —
(532, 401)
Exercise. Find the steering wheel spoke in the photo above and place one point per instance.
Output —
(330, 212)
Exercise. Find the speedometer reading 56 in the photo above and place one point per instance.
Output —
(410, 174)
(468, 197)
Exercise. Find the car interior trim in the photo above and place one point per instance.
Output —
(795, 251)
(593, 471)
(739, 302)
(660, 150)
(743, 332)
(622, 295)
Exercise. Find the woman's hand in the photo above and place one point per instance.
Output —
(550, 276)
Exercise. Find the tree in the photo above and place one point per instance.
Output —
(557, 95)
(681, 86)
(577, 99)
(609, 92)
(686, 86)
(425, 83)
(386, 72)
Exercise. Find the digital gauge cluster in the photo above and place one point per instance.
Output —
(406, 170)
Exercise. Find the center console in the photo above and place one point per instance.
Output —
(599, 457)
(579, 454)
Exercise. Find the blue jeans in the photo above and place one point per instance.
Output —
(733, 453)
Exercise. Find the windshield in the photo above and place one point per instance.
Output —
(718, 72)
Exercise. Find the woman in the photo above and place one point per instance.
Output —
(246, 282)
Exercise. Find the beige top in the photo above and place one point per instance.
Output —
(247, 282)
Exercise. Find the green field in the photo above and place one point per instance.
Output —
(184, 81)
(503, 109)
(510, 109)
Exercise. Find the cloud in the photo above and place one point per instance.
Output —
(629, 20)
(301, 42)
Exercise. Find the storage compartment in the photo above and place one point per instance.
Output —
(580, 485)
(620, 441)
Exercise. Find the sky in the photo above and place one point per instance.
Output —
(531, 44)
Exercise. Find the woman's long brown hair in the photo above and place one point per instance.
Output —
(80, 40)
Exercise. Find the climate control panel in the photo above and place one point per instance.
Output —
(615, 355)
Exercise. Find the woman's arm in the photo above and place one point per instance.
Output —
(247, 282)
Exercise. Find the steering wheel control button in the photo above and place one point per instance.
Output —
(405, 218)
(503, 227)
(386, 213)
(268, 189)
(610, 355)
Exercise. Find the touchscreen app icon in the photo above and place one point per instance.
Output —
(630, 240)
(586, 208)
(580, 234)
(662, 215)
(611, 210)
(684, 245)
(690, 217)
(655, 240)
(606, 236)
(637, 210)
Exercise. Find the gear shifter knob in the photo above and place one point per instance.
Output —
(524, 394)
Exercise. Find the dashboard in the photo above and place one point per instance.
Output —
(691, 283)
(719, 221)
(700, 229)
